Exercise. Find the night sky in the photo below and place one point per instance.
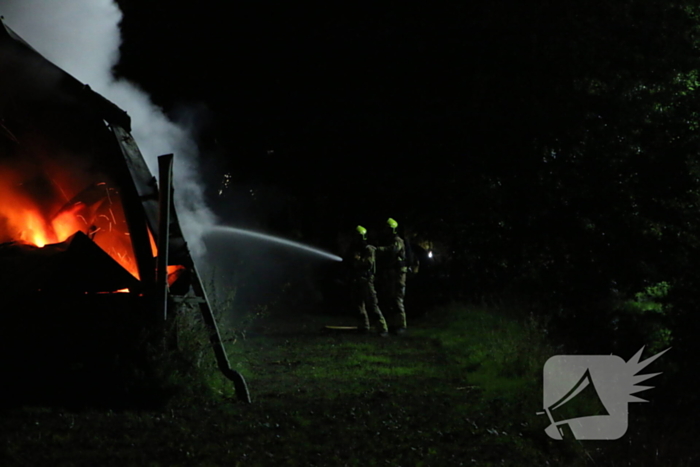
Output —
(355, 105)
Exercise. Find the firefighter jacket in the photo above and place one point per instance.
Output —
(364, 262)
(395, 254)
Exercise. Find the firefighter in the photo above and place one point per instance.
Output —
(394, 272)
(364, 294)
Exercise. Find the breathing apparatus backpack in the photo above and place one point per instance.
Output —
(411, 260)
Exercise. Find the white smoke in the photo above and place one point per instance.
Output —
(83, 37)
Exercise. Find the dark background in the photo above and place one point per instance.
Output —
(547, 149)
(354, 112)
(326, 118)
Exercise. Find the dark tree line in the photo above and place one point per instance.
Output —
(579, 186)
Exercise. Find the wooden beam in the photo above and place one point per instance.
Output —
(165, 176)
(135, 213)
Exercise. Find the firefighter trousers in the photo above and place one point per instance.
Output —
(365, 297)
(395, 284)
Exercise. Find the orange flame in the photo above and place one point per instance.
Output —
(34, 210)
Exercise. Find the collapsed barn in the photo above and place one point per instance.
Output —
(91, 251)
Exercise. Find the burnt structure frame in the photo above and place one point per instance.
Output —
(145, 206)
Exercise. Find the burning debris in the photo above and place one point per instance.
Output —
(34, 211)
(76, 265)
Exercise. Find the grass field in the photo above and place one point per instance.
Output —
(460, 388)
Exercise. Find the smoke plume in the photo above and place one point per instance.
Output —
(83, 37)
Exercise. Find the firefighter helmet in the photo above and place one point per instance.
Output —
(362, 231)
(392, 223)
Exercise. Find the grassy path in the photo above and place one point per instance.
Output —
(457, 394)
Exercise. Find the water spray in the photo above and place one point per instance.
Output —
(270, 238)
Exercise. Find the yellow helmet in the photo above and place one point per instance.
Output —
(362, 231)
(392, 223)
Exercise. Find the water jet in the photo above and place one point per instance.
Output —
(220, 229)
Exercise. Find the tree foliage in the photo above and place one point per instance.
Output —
(579, 183)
